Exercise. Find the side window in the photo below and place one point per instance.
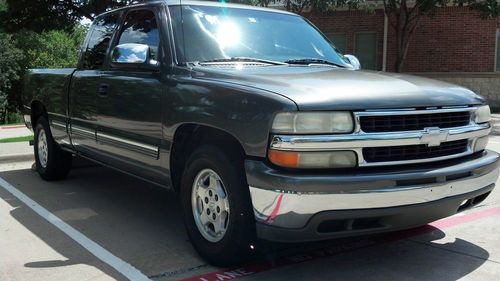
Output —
(140, 27)
(100, 36)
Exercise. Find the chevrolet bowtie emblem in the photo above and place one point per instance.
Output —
(433, 136)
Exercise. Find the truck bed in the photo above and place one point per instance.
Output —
(49, 86)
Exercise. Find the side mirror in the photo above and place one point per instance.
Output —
(353, 61)
(133, 56)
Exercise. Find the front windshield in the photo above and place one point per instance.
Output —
(212, 33)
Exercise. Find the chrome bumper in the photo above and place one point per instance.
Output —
(287, 200)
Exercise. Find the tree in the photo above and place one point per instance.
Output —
(404, 18)
(403, 15)
(27, 49)
(51, 49)
(9, 72)
(44, 15)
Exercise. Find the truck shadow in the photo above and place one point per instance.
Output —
(142, 225)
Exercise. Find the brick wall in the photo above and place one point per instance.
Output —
(456, 39)
(352, 22)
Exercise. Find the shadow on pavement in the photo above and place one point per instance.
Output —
(141, 224)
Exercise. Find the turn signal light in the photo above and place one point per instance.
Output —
(284, 158)
(314, 159)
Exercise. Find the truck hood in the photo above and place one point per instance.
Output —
(328, 88)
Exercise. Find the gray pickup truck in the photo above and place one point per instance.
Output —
(262, 127)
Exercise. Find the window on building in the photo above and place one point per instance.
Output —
(100, 36)
(366, 49)
(339, 40)
(497, 65)
(140, 27)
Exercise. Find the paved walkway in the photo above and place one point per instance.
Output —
(7, 132)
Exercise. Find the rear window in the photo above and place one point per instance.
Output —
(100, 34)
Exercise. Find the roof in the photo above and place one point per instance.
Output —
(202, 3)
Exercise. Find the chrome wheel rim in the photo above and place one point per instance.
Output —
(43, 150)
(210, 205)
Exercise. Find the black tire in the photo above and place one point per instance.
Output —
(58, 161)
(236, 246)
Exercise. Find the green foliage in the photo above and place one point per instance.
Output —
(3, 5)
(45, 15)
(27, 49)
(487, 8)
(9, 71)
(51, 49)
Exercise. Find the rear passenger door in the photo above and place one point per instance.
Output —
(129, 113)
(86, 82)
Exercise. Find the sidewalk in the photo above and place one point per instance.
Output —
(7, 132)
(16, 152)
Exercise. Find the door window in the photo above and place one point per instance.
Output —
(141, 27)
(101, 33)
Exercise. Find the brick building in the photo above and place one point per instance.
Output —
(456, 39)
(455, 45)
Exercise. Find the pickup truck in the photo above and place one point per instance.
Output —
(263, 128)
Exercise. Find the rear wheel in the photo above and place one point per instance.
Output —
(217, 207)
(52, 163)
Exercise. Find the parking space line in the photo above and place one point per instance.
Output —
(95, 249)
(252, 269)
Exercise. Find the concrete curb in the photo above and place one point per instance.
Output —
(12, 127)
(20, 157)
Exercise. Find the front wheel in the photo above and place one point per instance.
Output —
(52, 163)
(217, 208)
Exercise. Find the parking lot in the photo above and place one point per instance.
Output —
(102, 225)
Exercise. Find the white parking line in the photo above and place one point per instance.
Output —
(95, 249)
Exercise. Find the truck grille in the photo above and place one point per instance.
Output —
(413, 152)
(413, 122)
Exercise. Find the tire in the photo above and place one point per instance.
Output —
(235, 246)
(52, 163)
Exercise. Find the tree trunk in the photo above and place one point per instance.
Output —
(401, 57)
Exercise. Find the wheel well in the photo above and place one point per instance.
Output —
(37, 110)
(190, 136)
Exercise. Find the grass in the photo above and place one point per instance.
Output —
(17, 139)
(13, 124)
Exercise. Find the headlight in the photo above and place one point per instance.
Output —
(313, 123)
(483, 114)
(313, 160)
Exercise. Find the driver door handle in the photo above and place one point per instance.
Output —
(103, 90)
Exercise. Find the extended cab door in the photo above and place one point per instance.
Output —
(85, 85)
(129, 113)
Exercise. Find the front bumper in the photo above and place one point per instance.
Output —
(292, 206)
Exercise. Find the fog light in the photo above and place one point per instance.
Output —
(481, 144)
(313, 160)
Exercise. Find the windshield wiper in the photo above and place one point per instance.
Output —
(243, 59)
(313, 61)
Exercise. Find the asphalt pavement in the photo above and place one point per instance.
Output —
(102, 225)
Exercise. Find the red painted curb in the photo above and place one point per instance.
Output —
(12, 127)
(252, 269)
